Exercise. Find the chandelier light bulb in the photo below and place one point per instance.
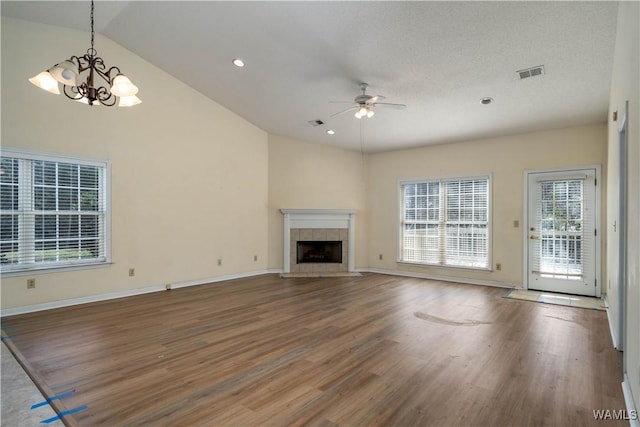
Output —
(129, 101)
(122, 86)
(370, 113)
(85, 101)
(45, 81)
(65, 73)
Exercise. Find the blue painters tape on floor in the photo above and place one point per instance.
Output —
(8, 337)
(49, 400)
(62, 414)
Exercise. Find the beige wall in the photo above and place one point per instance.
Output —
(626, 87)
(506, 159)
(189, 178)
(311, 176)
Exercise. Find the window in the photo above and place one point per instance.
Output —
(53, 212)
(445, 222)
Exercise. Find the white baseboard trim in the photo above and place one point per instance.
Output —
(157, 288)
(612, 331)
(634, 416)
(441, 278)
(126, 293)
(223, 278)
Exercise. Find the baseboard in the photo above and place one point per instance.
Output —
(157, 288)
(127, 293)
(612, 331)
(440, 278)
(223, 278)
(634, 416)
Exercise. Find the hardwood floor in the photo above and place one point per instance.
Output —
(353, 351)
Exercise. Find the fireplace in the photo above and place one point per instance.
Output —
(319, 251)
(319, 241)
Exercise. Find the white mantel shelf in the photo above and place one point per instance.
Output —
(318, 218)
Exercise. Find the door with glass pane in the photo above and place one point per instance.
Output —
(562, 236)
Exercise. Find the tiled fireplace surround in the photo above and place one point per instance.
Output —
(319, 225)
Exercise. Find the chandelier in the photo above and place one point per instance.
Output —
(86, 79)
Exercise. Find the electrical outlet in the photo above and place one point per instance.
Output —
(380, 257)
(255, 257)
(31, 283)
(219, 261)
(498, 266)
(132, 272)
(168, 286)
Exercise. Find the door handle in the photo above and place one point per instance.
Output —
(532, 237)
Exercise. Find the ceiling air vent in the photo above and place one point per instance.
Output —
(317, 122)
(531, 72)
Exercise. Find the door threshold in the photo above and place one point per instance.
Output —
(557, 299)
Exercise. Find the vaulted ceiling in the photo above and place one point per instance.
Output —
(438, 58)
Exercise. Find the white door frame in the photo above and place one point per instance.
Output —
(622, 231)
(525, 228)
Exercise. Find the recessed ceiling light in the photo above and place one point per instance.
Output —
(486, 100)
(238, 62)
(331, 132)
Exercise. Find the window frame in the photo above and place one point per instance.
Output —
(42, 268)
(444, 180)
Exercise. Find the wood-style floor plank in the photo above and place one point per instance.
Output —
(357, 351)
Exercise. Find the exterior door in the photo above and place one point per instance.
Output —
(562, 236)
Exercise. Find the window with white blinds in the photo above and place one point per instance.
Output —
(53, 212)
(446, 222)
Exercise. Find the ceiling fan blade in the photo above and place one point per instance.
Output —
(344, 111)
(375, 99)
(388, 105)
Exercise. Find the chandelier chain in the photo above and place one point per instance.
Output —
(92, 32)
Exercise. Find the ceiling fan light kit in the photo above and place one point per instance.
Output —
(364, 112)
(364, 105)
(89, 88)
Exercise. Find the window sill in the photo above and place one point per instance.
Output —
(49, 270)
(446, 267)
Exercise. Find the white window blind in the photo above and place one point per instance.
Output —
(52, 212)
(565, 229)
(446, 222)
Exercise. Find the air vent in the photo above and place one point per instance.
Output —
(316, 122)
(531, 72)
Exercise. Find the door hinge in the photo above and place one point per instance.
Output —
(595, 283)
(595, 181)
(595, 231)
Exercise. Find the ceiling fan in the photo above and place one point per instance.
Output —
(364, 104)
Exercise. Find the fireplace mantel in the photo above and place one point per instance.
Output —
(319, 219)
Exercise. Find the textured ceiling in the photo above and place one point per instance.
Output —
(439, 58)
